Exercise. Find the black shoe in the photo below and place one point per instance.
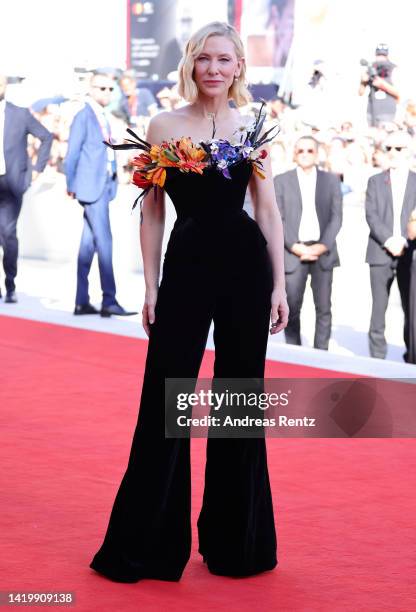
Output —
(115, 309)
(85, 309)
(11, 297)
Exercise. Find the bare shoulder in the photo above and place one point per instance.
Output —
(158, 125)
(164, 125)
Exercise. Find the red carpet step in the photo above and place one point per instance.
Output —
(345, 508)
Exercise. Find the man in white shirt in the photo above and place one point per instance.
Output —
(310, 204)
(390, 199)
(16, 174)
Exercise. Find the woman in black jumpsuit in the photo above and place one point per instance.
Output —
(218, 268)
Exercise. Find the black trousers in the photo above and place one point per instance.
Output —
(10, 206)
(381, 279)
(149, 532)
(321, 283)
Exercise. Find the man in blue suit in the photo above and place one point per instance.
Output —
(16, 174)
(91, 177)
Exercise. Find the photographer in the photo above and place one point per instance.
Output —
(380, 77)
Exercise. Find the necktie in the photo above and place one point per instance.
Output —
(106, 129)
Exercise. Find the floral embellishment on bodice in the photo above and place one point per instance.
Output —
(151, 165)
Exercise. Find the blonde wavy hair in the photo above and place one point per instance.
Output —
(187, 87)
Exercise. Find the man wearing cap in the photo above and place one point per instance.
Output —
(16, 174)
(390, 200)
(383, 92)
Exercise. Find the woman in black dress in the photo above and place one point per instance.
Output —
(221, 266)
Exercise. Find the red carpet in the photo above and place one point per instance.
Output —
(345, 509)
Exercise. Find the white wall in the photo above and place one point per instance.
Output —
(44, 36)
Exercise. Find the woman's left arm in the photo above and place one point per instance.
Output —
(267, 215)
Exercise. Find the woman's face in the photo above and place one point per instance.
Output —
(216, 66)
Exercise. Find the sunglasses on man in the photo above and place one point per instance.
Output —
(103, 88)
(300, 151)
(388, 149)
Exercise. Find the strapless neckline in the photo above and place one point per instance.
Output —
(194, 142)
(190, 157)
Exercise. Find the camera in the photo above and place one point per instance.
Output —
(317, 74)
(316, 77)
(382, 67)
(372, 71)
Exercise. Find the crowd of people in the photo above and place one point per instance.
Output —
(351, 153)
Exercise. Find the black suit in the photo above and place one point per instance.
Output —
(383, 266)
(18, 123)
(328, 203)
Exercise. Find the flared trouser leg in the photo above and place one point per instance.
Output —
(149, 532)
(236, 528)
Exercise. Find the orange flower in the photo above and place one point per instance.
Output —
(155, 152)
(157, 176)
(182, 154)
(258, 171)
(171, 161)
(142, 160)
(141, 180)
(190, 157)
(190, 151)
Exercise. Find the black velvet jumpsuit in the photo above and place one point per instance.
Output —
(216, 268)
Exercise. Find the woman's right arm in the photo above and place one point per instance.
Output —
(151, 231)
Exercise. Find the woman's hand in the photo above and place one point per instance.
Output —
(411, 228)
(148, 311)
(280, 311)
